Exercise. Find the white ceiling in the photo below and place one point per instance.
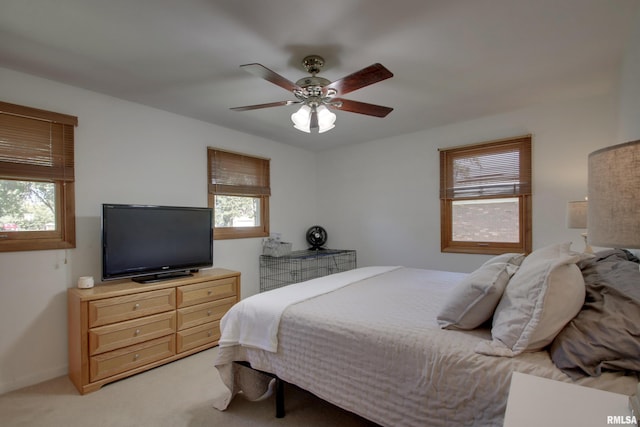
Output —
(452, 60)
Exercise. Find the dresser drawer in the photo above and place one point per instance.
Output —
(206, 291)
(114, 362)
(198, 336)
(117, 309)
(118, 335)
(203, 313)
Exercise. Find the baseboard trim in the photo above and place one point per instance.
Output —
(32, 379)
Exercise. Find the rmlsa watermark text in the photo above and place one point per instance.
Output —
(622, 420)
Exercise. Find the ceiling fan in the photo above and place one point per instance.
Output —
(318, 95)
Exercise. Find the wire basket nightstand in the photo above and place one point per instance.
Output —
(299, 266)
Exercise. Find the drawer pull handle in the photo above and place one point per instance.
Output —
(136, 357)
(136, 306)
(137, 332)
(209, 292)
(208, 312)
(209, 333)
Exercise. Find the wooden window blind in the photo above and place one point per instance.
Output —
(492, 169)
(235, 174)
(35, 144)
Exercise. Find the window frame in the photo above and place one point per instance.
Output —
(61, 173)
(218, 184)
(522, 192)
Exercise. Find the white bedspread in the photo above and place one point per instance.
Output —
(254, 321)
(374, 348)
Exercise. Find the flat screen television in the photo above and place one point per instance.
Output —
(152, 243)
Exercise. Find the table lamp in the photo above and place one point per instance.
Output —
(577, 218)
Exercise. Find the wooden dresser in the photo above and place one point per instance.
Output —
(122, 328)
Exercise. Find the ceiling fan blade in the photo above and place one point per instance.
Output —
(365, 77)
(270, 104)
(361, 107)
(269, 75)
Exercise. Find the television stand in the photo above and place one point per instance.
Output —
(118, 329)
(159, 277)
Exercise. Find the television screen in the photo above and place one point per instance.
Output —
(150, 243)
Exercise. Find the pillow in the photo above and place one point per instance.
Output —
(544, 294)
(473, 300)
(511, 258)
(605, 335)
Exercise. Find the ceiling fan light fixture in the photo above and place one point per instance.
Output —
(302, 119)
(326, 119)
(318, 95)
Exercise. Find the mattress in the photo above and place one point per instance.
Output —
(374, 348)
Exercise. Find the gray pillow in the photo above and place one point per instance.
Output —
(605, 335)
(474, 299)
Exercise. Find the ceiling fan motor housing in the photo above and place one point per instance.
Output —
(312, 81)
(313, 63)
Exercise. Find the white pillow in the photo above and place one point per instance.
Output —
(473, 300)
(544, 294)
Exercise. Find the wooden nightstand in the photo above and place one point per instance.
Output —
(535, 401)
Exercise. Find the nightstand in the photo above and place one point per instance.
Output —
(535, 401)
(298, 266)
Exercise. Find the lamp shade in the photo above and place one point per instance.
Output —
(577, 214)
(326, 119)
(302, 119)
(614, 190)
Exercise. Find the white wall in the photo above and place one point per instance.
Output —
(127, 153)
(382, 197)
(630, 89)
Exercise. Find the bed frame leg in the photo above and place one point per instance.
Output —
(279, 388)
(279, 398)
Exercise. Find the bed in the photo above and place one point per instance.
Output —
(414, 347)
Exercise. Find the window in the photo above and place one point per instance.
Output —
(37, 206)
(239, 191)
(485, 197)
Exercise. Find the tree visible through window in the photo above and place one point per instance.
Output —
(485, 194)
(237, 211)
(37, 208)
(27, 206)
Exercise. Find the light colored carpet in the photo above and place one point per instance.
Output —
(173, 395)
